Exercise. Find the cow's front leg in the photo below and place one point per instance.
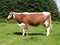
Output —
(22, 25)
(23, 34)
(48, 31)
(25, 29)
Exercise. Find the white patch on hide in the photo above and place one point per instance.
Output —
(25, 13)
(29, 13)
(45, 13)
(22, 25)
(9, 16)
(46, 23)
(13, 15)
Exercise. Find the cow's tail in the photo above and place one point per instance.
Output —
(50, 23)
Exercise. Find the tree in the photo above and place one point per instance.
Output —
(7, 6)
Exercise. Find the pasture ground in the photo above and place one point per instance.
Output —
(10, 34)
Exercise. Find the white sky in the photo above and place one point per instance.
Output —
(58, 3)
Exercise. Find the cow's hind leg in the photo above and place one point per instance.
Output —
(48, 31)
(47, 25)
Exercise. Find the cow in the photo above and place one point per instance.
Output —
(31, 18)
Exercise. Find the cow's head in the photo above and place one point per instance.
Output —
(10, 16)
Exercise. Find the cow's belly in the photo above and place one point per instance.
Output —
(36, 23)
(33, 24)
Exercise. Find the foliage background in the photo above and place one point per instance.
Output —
(7, 6)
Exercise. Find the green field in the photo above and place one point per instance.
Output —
(10, 34)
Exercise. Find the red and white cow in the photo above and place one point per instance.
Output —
(34, 18)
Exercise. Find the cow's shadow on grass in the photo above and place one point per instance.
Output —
(30, 34)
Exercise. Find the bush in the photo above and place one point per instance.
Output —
(7, 6)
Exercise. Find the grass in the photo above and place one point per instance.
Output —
(10, 34)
